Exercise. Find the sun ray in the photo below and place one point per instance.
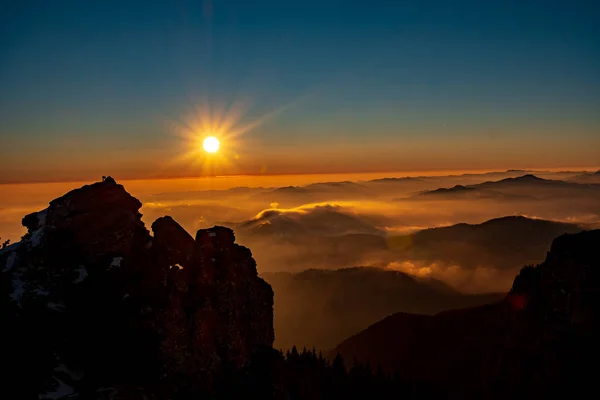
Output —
(227, 122)
(211, 136)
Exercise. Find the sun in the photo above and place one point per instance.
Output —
(212, 136)
(211, 144)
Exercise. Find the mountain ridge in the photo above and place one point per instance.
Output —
(503, 348)
(505, 188)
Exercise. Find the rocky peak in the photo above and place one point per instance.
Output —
(565, 286)
(553, 333)
(101, 218)
(91, 300)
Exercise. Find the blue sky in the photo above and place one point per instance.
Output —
(99, 74)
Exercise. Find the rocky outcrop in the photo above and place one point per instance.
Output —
(174, 243)
(92, 305)
(552, 336)
(539, 342)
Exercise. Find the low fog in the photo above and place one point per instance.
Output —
(439, 242)
(378, 223)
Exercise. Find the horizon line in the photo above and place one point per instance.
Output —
(434, 172)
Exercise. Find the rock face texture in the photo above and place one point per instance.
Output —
(539, 342)
(94, 306)
(553, 335)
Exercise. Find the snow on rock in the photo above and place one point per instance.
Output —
(36, 237)
(40, 291)
(36, 223)
(18, 287)
(41, 216)
(61, 390)
(72, 374)
(10, 261)
(63, 377)
(60, 307)
(116, 262)
(82, 271)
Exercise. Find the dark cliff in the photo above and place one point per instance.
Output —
(93, 305)
(540, 341)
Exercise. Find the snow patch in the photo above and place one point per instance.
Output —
(18, 287)
(61, 390)
(116, 262)
(60, 307)
(40, 291)
(36, 237)
(10, 261)
(74, 375)
(41, 217)
(82, 274)
(38, 234)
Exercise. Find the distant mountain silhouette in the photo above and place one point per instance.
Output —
(452, 190)
(539, 342)
(291, 196)
(321, 307)
(457, 188)
(397, 180)
(527, 179)
(588, 177)
(328, 238)
(526, 187)
(334, 186)
(504, 243)
(291, 189)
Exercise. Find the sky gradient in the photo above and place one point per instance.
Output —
(102, 87)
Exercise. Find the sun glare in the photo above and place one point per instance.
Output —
(211, 144)
(212, 136)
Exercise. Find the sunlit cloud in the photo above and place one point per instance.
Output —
(480, 279)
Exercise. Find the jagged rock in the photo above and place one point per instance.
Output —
(93, 306)
(173, 241)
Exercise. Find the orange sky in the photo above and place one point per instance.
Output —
(83, 162)
(19, 199)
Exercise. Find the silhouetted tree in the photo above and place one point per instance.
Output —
(294, 354)
(307, 375)
(338, 365)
